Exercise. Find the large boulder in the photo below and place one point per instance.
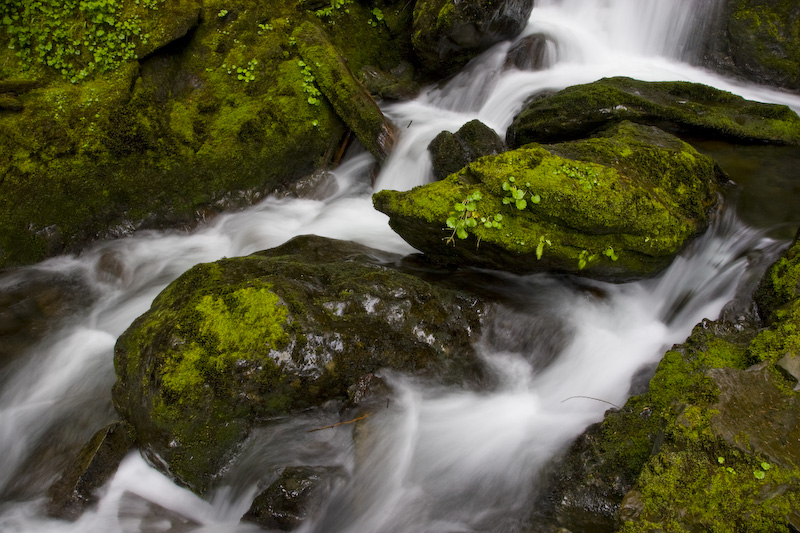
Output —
(712, 445)
(683, 108)
(448, 33)
(238, 341)
(617, 206)
(187, 114)
(758, 40)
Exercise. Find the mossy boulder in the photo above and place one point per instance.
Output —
(758, 40)
(617, 206)
(683, 108)
(208, 112)
(450, 152)
(230, 344)
(712, 445)
(448, 33)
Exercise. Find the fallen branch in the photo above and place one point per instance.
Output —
(362, 417)
(591, 398)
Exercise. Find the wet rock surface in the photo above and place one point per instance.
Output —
(617, 206)
(241, 340)
(683, 108)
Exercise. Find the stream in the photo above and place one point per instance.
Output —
(439, 459)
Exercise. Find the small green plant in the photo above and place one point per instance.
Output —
(264, 27)
(222, 13)
(308, 84)
(760, 474)
(584, 258)
(540, 246)
(464, 215)
(378, 17)
(336, 7)
(609, 252)
(75, 37)
(516, 194)
(586, 176)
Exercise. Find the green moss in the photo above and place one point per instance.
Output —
(617, 203)
(247, 328)
(685, 108)
(684, 490)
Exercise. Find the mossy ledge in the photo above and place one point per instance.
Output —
(617, 206)
(205, 109)
(712, 445)
(685, 109)
(318, 316)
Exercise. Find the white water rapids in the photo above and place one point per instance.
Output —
(438, 460)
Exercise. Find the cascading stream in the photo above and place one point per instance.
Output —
(438, 459)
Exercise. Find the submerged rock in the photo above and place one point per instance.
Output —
(451, 152)
(448, 33)
(712, 445)
(95, 464)
(288, 501)
(232, 343)
(682, 108)
(617, 206)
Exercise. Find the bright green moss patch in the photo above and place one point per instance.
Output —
(684, 490)
(249, 327)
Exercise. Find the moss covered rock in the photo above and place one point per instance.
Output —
(208, 110)
(617, 206)
(448, 33)
(235, 342)
(712, 445)
(758, 40)
(682, 108)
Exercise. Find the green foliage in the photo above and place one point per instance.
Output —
(222, 13)
(245, 74)
(337, 7)
(586, 175)
(516, 194)
(377, 17)
(75, 37)
(309, 86)
(465, 215)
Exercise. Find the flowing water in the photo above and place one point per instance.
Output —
(437, 459)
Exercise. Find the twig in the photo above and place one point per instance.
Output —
(362, 417)
(591, 398)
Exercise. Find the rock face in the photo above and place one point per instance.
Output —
(93, 467)
(758, 40)
(448, 33)
(617, 206)
(451, 152)
(680, 107)
(241, 340)
(195, 107)
(713, 443)
(287, 502)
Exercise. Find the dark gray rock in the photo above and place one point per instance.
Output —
(450, 152)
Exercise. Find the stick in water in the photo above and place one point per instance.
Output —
(362, 417)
